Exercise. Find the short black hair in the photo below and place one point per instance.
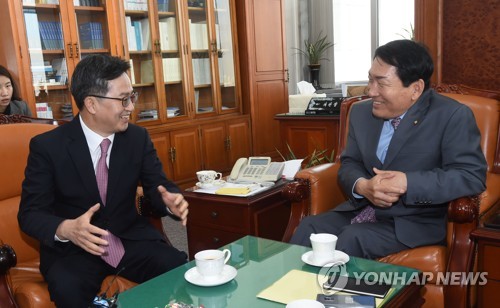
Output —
(411, 59)
(15, 92)
(92, 74)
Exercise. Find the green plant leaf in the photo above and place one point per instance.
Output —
(314, 51)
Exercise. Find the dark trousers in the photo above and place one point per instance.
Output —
(365, 240)
(75, 280)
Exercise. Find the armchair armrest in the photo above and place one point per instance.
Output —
(8, 259)
(315, 190)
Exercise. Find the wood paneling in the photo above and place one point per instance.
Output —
(471, 43)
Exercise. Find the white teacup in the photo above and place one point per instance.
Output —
(208, 176)
(210, 263)
(323, 247)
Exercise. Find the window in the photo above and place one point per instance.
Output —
(360, 26)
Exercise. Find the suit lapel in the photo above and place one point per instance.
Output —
(373, 136)
(79, 152)
(407, 127)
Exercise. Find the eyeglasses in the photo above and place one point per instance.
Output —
(132, 98)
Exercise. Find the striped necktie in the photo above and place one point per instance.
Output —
(115, 250)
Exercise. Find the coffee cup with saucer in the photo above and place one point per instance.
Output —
(323, 251)
(211, 268)
(211, 185)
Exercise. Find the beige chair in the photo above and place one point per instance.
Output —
(315, 190)
(21, 283)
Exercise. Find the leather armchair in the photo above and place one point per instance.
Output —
(21, 283)
(315, 190)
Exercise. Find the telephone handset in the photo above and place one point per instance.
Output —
(256, 169)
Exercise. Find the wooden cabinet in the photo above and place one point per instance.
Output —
(488, 254)
(263, 69)
(216, 220)
(305, 134)
(45, 39)
(224, 142)
(213, 144)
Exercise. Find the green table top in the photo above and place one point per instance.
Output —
(260, 262)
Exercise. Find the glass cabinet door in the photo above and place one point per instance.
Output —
(200, 56)
(140, 54)
(92, 28)
(168, 43)
(48, 63)
(225, 54)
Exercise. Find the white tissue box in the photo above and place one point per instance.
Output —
(297, 103)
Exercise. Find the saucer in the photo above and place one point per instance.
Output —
(339, 257)
(194, 277)
(213, 185)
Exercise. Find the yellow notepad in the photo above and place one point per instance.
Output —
(287, 288)
(232, 191)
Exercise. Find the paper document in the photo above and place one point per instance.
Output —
(233, 189)
(291, 168)
(298, 284)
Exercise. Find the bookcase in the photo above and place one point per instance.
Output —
(52, 37)
(183, 58)
(184, 64)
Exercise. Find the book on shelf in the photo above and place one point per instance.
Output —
(163, 5)
(91, 35)
(171, 69)
(147, 75)
(173, 112)
(168, 33)
(61, 70)
(138, 33)
(31, 21)
(145, 34)
(132, 72)
(132, 43)
(43, 110)
(148, 114)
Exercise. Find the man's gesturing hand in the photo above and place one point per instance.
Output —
(176, 203)
(82, 233)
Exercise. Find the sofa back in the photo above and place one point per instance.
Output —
(14, 149)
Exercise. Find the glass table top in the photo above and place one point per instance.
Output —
(259, 263)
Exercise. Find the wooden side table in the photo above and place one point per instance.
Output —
(216, 220)
(488, 243)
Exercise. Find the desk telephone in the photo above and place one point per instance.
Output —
(256, 169)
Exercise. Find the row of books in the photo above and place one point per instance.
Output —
(91, 36)
(43, 110)
(152, 114)
(49, 73)
(40, 1)
(142, 5)
(86, 2)
(148, 114)
(171, 70)
(138, 34)
(199, 35)
(201, 71)
(136, 5)
(163, 5)
(168, 33)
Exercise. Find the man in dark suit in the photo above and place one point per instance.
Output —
(409, 151)
(80, 220)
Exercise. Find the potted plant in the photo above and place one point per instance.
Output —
(314, 51)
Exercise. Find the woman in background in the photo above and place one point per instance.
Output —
(10, 102)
